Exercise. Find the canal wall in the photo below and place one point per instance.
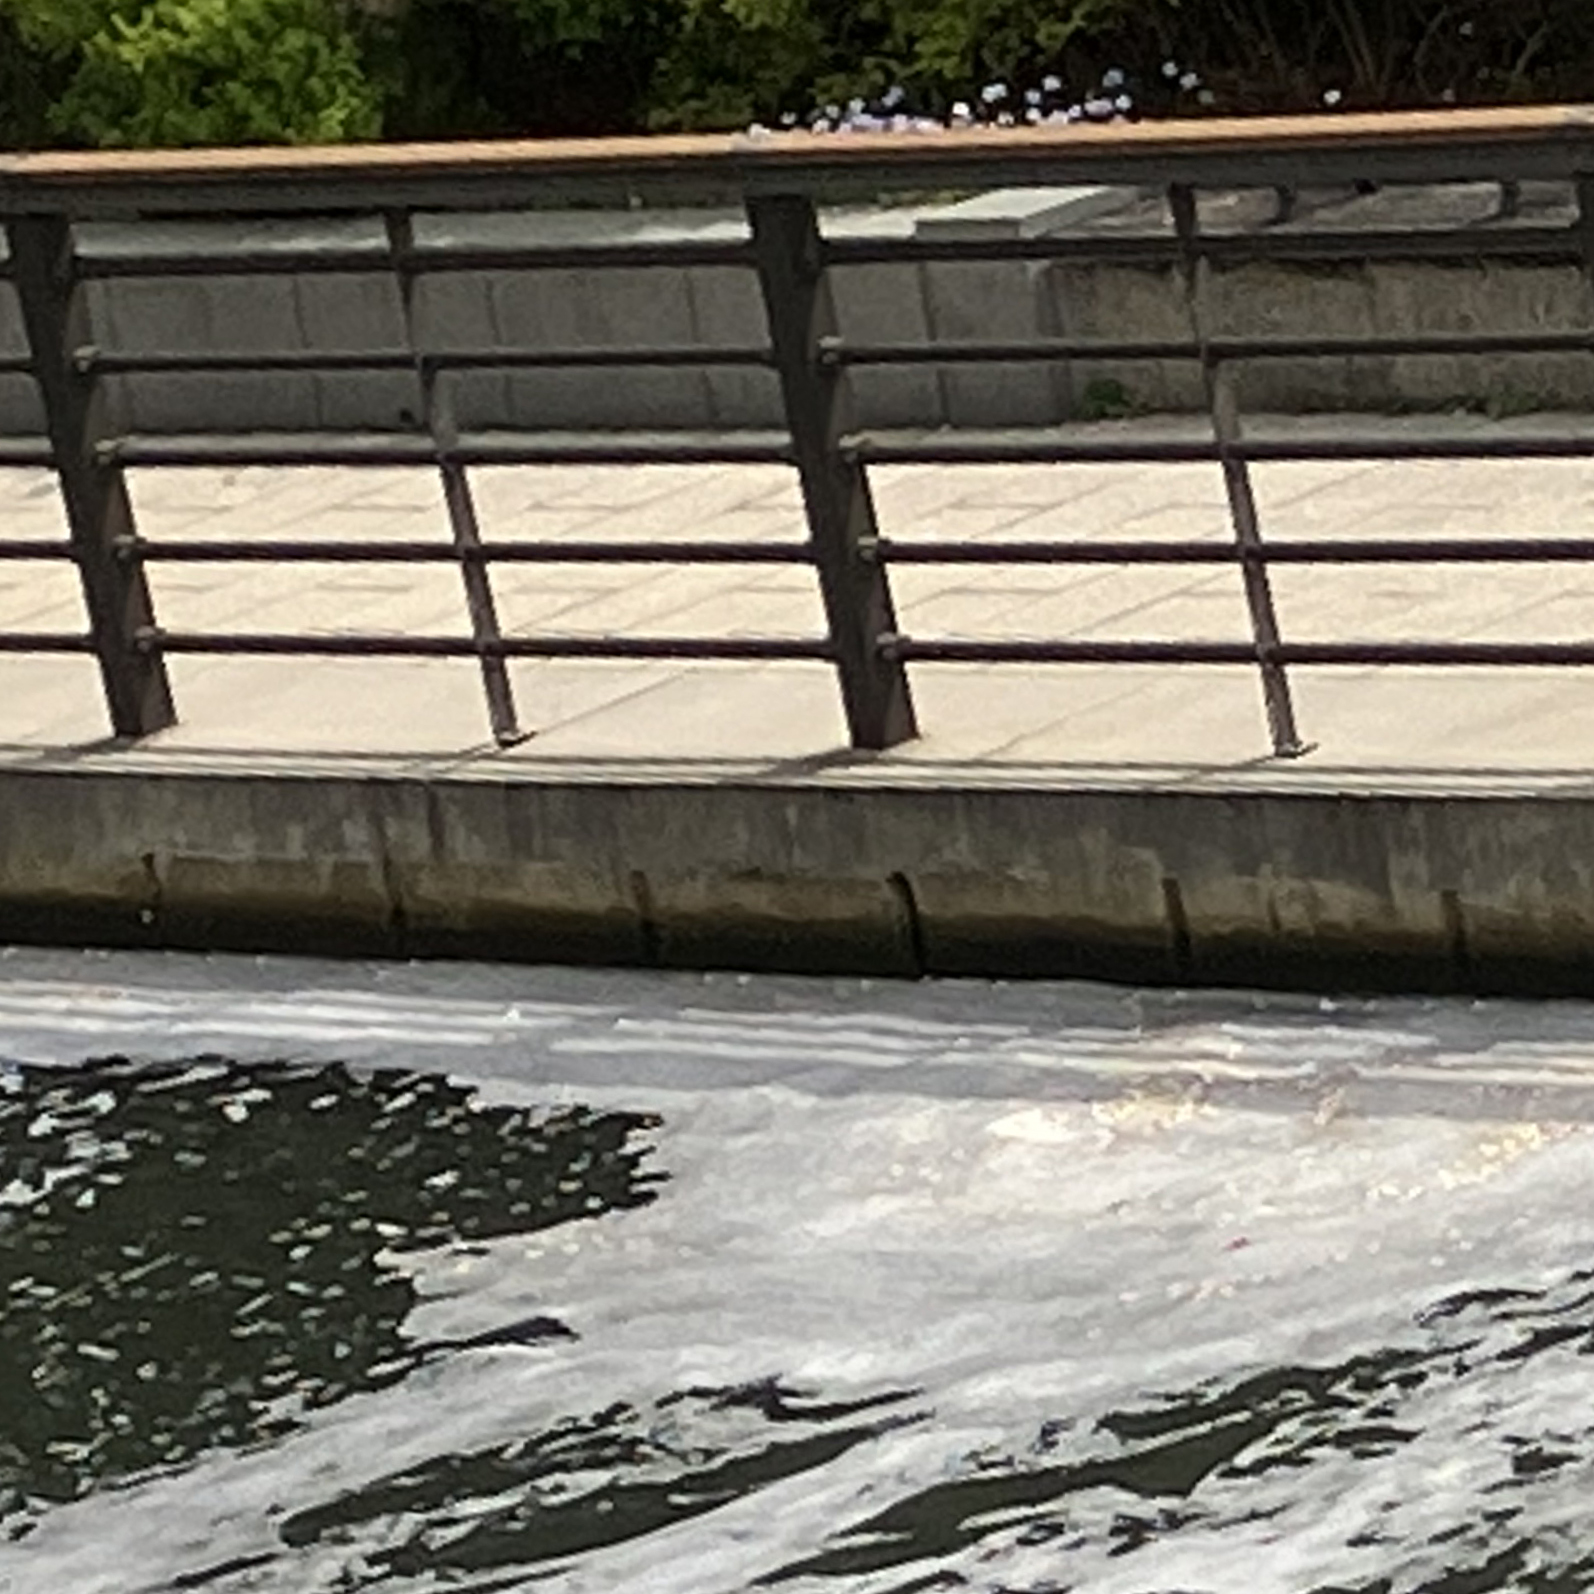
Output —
(1229, 884)
(906, 302)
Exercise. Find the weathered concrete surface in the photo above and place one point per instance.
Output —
(718, 305)
(1197, 887)
(1121, 822)
(1215, 885)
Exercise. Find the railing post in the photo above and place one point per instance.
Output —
(98, 510)
(1585, 224)
(841, 518)
(437, 413)
(1225, 412)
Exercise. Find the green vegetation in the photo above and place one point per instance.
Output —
(140, 72)
(1107, 399)
(106, 72)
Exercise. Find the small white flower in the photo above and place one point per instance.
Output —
(1124, 102)
(1113, 78)
(1052, 83)
(1189, 80)
(1170, 69)
(1332, 97)
(1207, 97)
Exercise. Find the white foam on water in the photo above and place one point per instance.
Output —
(1029, 1208)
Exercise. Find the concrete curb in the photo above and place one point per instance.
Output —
(1240, 886)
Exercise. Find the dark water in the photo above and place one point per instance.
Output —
(197, 1255)
(200, 1257)
(192, 1255)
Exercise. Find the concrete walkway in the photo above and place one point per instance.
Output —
(1370, 726)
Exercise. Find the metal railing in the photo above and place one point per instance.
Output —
(781, 179)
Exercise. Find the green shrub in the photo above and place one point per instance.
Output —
(188, 71)
(201, 71)
(484, 68)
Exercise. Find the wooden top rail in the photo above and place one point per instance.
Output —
(1552, 142)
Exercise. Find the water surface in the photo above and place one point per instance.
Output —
(329, 1278)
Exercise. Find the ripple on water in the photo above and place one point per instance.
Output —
(196, 1255)
(1232, 1453)
(200, 1255)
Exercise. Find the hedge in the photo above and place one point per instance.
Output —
(138, 72)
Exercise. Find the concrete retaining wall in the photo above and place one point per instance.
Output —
(1255, 887)
(883, 302)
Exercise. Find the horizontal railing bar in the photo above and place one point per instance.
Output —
(1549, 243)
(26, 451)
(1541, 550)
(1478, 550)
(1035, 447)
(957, 352)
(330, 260)
(118, 363)
(37, 548)
(44, 642)
(1021, 447)
(972, 447)
(413, 552)
(1461, 243)
(1494, 654)
(423, 647)
(924, 650)
(1015, 446)
(532, 448)
(1546, 550)
(1496, 144)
